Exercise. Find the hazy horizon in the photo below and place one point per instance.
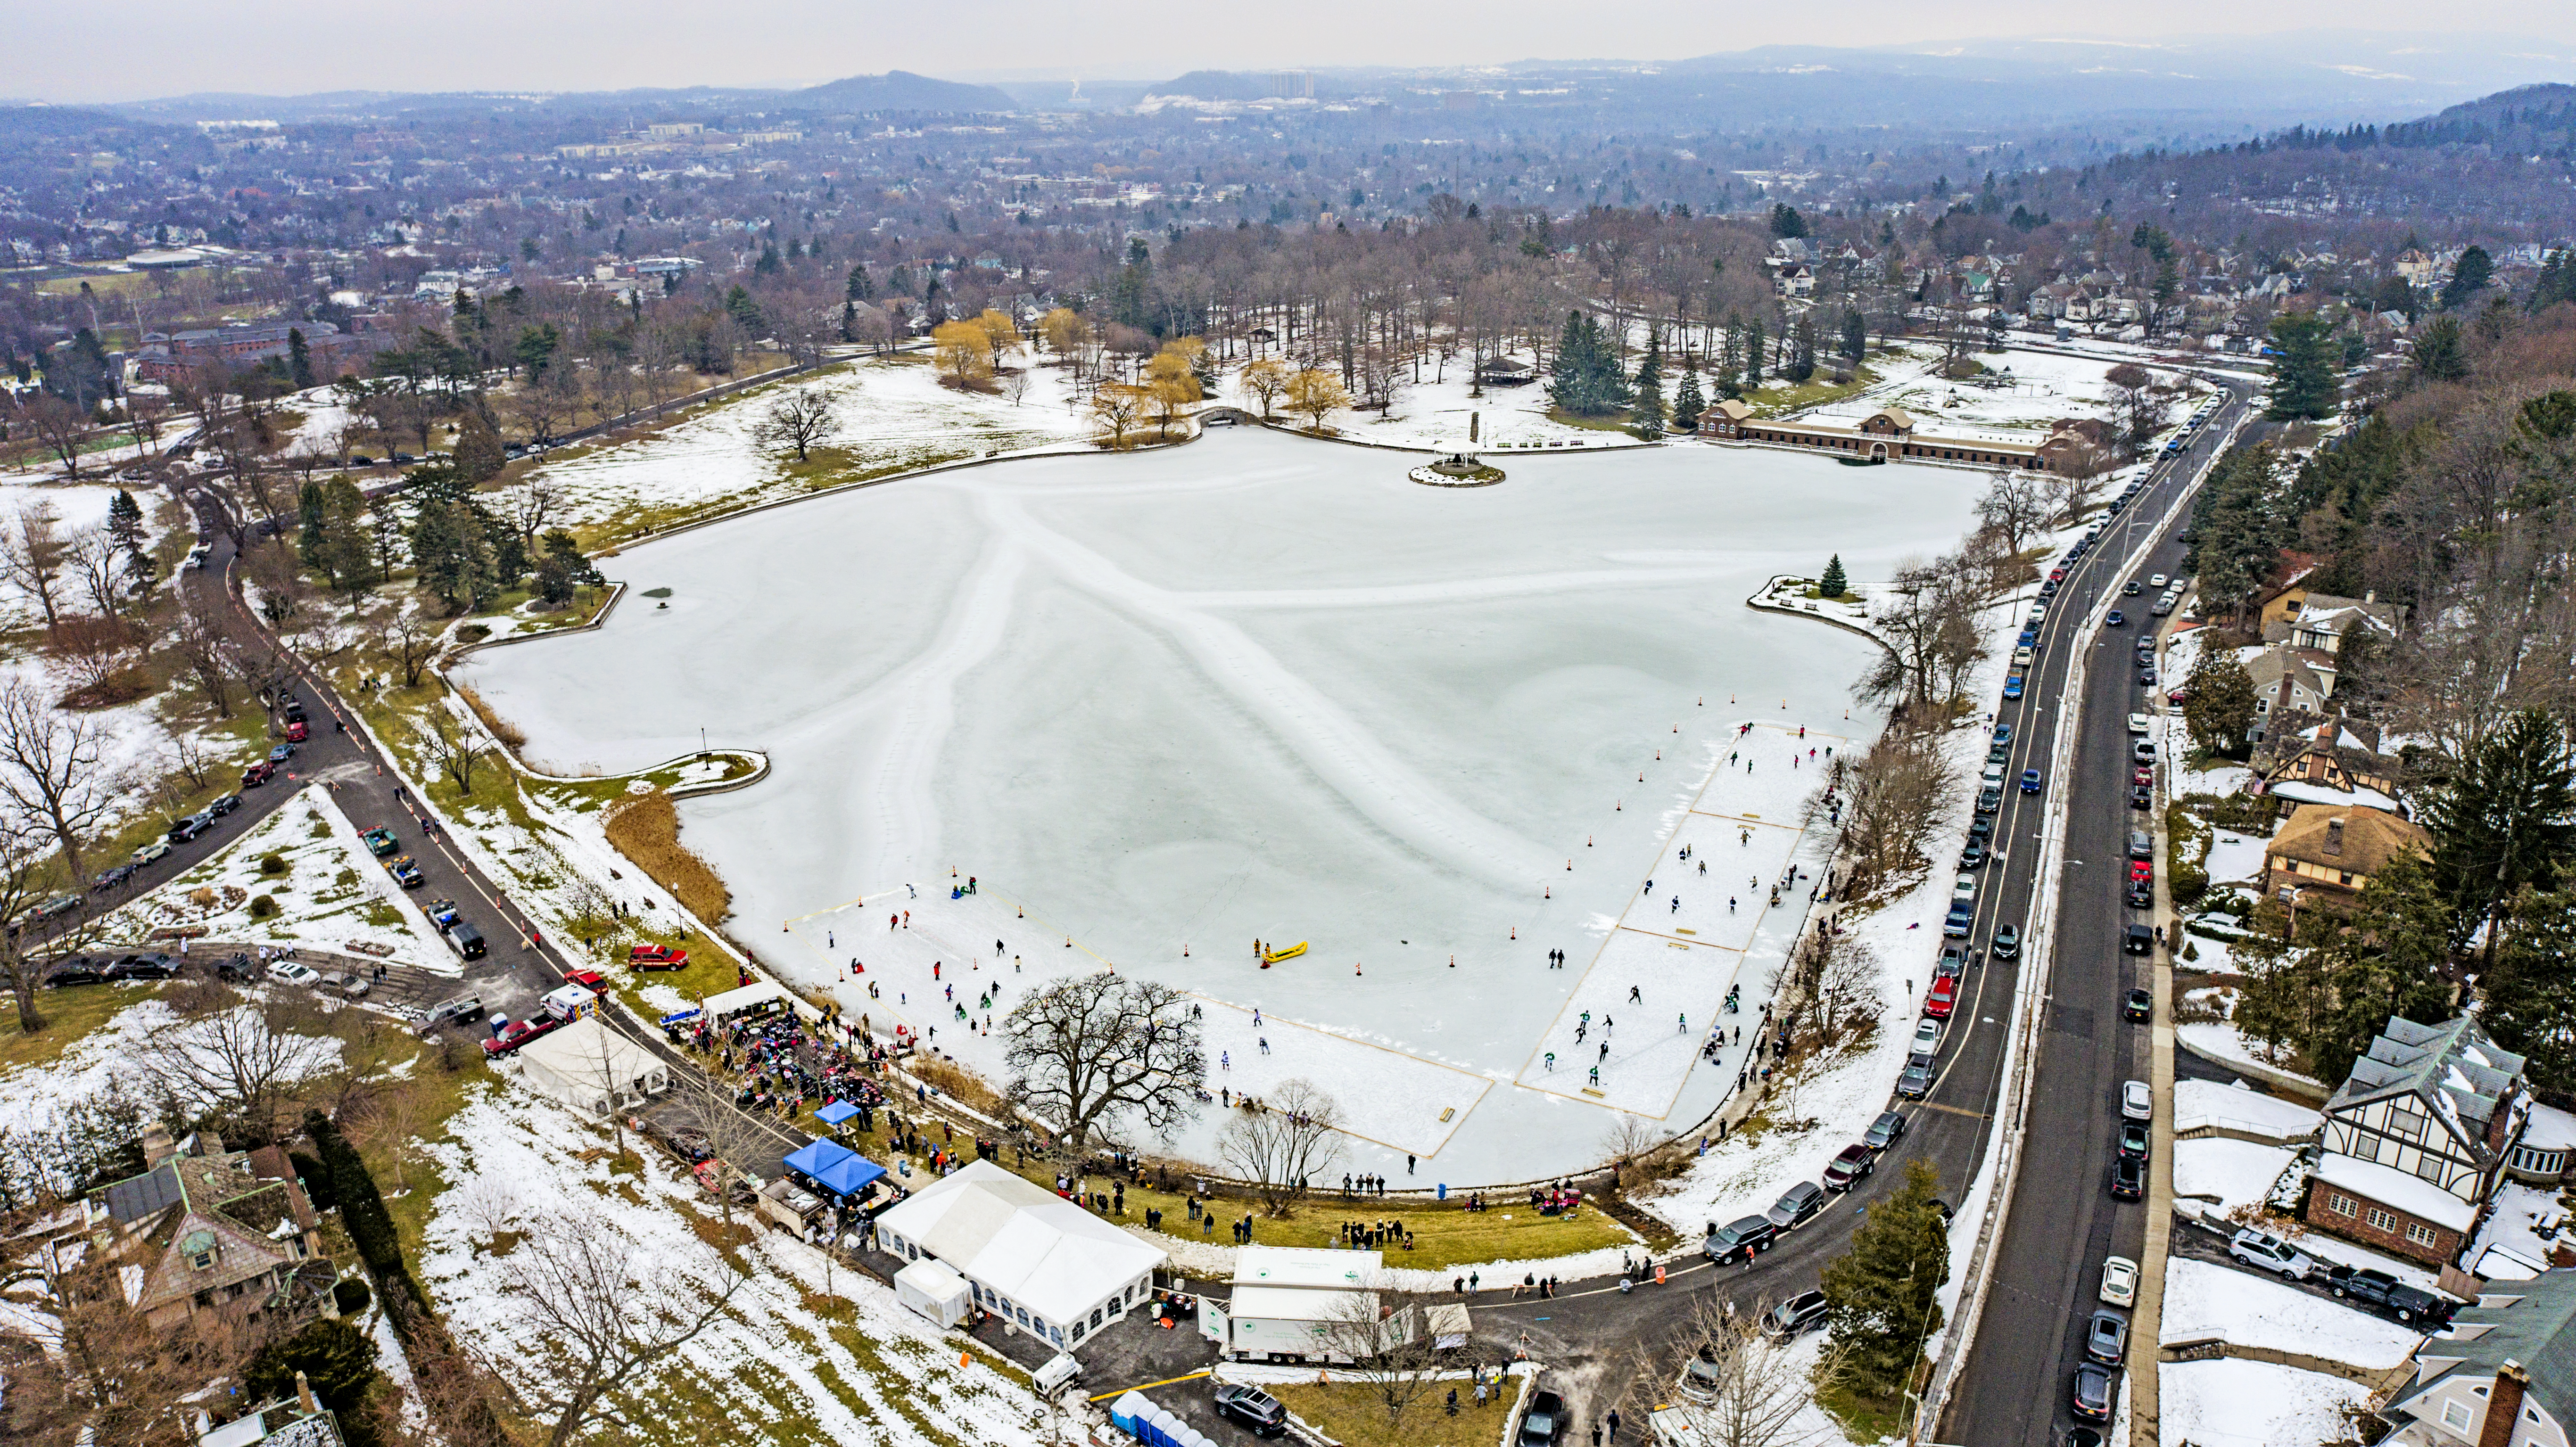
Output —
(287, 48)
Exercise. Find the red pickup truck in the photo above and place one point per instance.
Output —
(518, 1033)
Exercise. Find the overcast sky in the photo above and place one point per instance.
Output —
(144, 48)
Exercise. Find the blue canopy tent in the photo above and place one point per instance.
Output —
(851, 1176)
(818, 1156)
(836, 1112)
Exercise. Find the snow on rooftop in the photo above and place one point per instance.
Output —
(2207, 1102)
(2395, 1189)
(2550, 1128)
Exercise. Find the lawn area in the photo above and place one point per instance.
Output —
(1775, 400)
(433, 1093)
(1350, 1412)
(1444, 1235)
(69, 1015)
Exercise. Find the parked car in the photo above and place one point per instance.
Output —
(189, 828)
(448, 1012)
(2012, 687)
(1252, 1409)
(1885, 1131)
(2142, 797)
(380, 841)
(656, 957)
(1941, 999)
(2106, 1337)
(2007, 941)
(75, 970)
(224, 805)
(1915, 1082)
(294, 974)
(1543, 1423)
(1846, 1169)
(2138, 1005)
(1989, 799)
(2138, 939)
(2266, 1252)
(2003, 733)
(297, 731)
(1974, 855)
(2113, 618)
(258, 774)
(150, 852)
(2128, 1179)
(2136, 1140)
(2156, 580)
(1958, 922)
(1740, 1240)
(2406, 1303)
(2147, 676)
(2137, 1100)
(2091, 1396)
(2119, 1281)
(149, 966)
(1927, 1036)
(2142, 870)
(110, 879)
(351, 984)
(405, 873)
(1803, 1312)
(518, 1033)
(1981, 827)
(2140, 894)
(2143, 751)
(281, 753)
(1703, 1376)
(1796, 1206)
(441, 912)
(1954, 958)
(58, 906)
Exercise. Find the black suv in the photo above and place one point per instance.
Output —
(1252, 1409)
(2008, 942)
(1544, 1424)
(2406, 1303)
(1802, 1312)
(1741, 1240)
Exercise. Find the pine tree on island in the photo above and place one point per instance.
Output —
(1834, 584)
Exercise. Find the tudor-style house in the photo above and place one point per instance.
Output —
(2329, 853)
(2416, 1139)
(2342, 754)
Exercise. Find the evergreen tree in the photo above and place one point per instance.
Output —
(1648, 406)
(2556, 282)
(2528, 995)
(299, 359)
(2303, 379)
(452, 550)
(337, 1360)
(125, 522)
(2470, 277)
(1785, 220)
(1131, 295)
(364, 1217)
(2218, 706)
(1753, 343)
(1802, 349)
(2504, 823)
(1688, 402)
(1855, 334)
(2390, 958)
(2439, 352)
(1882, 1296)
(1833, 584)
(861, 287)
(308, 523)
(768, 264)
(479, 453)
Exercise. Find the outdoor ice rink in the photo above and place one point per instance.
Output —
(1264, 687)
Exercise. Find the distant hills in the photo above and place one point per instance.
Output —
(896, 90)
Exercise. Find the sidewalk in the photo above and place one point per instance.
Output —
(2146, 1318)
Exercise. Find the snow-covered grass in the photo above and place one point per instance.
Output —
(2257, 1311)
(2525, 1230)
(893, 415)
(784, 1362)
(2235, 1403)
(2206, 1102)
(100, 1064)
(331, 894)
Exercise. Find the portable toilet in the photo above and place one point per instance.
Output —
(1124, 1411)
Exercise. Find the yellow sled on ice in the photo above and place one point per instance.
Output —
(1272, 957)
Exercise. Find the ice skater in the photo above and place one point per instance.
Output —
(1632, 996)
(1256, 1017)
(1677, 905)
(1730, 904)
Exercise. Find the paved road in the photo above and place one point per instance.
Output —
(2063, 1220)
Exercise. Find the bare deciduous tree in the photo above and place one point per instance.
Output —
(32, 554)
(201, 643)
(453, 747)
(2016, 506)
(408, 643)
(245, 1060)
(54, 771)
(1393, 1350)
(1291, 1136)
(1087, 1053)
(606, 1316)
(799, 421)
(1745, 1389)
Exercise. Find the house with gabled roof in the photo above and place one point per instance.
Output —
(2344, 754)
(2415, 1139)
(2504, 1375)
(209, 1230)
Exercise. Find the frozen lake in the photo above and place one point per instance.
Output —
(1260, 687)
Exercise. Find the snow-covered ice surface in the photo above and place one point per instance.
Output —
(2257, 1311)
(515, 1161)
(332, 895)
(2236, 1403)
(1254, 688)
